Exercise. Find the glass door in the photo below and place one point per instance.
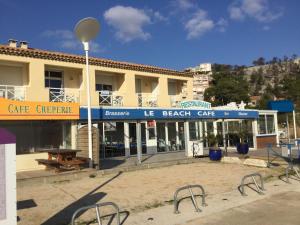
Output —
(181, 144)
(172, 142)
(161, 137)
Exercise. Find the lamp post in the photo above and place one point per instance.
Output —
(86, 30)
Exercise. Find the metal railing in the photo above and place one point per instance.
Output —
(110, 98)
(189, 187)
(260, 188)
(290, 153)
(13, 92)
(98, 216)
(63, 95)
(148, 100)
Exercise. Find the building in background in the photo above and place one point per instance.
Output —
(202, 77)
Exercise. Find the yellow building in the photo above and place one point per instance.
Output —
(29, 76)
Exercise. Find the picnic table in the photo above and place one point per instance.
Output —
(62, 159)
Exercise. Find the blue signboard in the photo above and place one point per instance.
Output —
(282, 106)
(163, 114)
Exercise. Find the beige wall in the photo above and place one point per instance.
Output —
(75, 77)
(13, 74)
(27, 162)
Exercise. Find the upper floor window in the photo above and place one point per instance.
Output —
(53, 79)
(103, 87)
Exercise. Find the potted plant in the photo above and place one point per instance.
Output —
(215, 153)
(243, 146)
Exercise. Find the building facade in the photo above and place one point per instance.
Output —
(135, 108)
(30, 76)
(202, 77)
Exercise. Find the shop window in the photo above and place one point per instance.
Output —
(270, 124)
(193, 130)
(33, 136)
(151, 129)
(266, 124)
(262, 124)
(114, 140)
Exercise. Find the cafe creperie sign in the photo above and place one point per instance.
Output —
(23, 110)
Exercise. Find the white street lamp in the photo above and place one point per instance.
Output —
(86, 30)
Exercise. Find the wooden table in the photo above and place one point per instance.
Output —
(62, 159)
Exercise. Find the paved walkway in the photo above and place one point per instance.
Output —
(279, 206)
(278, 209)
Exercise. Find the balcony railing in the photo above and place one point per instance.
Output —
(110, 98)
(147, 100)
(63, 95)
(13, 92)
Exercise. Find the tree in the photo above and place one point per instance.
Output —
(259, 62)
(227, 86)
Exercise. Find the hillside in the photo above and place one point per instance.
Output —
(275, 79)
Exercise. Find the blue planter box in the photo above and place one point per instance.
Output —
(242, 148)
(215, 154)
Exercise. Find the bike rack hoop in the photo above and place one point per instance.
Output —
(260, 188)
(189, 187)
(97, 206)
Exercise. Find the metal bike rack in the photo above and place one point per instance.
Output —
(260, 188)
(97, 206)
(288, 156)
(293, 168)
(189, 187)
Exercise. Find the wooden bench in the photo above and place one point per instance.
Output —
(50, 164)
(75, 163)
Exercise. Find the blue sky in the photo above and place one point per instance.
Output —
(168, 33)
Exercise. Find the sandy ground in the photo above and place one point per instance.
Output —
(132, 191)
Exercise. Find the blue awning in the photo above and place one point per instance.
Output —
(163, 114)
(282, 106)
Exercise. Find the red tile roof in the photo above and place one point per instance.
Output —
(64, 57)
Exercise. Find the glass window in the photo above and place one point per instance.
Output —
(114, 139)
(193, 129)
(262, 124)
(151, 131)
(53, 79)
(270, 124)
(35, 135)
(103, 87)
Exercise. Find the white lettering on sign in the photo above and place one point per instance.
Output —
(206, 113)
(148, 113)
(243, 114)
(2, 184)
(121, 113)
(180, 113)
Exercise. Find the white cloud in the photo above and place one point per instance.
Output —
(66, 40)
(236, 13)
(222, 25)
(198, 24)
(184, 4)
(128, 22)
(159, 17)
(259, 10)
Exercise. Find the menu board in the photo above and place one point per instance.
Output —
(2, 184)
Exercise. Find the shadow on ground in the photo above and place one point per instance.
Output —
(64, 216)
